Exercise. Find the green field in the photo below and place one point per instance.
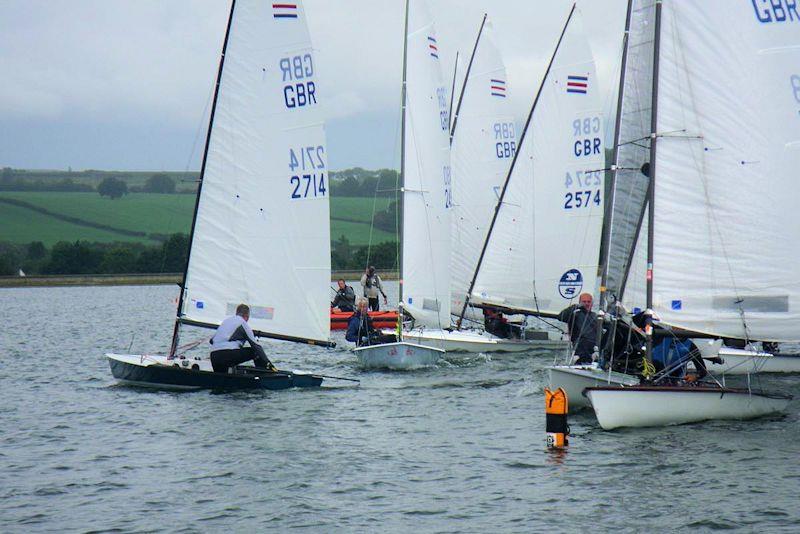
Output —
(21, 225)
(150, 213)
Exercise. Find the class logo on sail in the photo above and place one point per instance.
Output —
(570, 284)
(284, 11)
(498, 88)
(432, 47)
(577, 84)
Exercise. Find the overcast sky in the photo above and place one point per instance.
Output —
(126, 84)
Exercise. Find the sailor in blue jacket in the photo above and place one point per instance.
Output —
(360, 329)
(360, 326)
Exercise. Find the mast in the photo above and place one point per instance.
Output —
(452, 91)
(606, 237)
(466, 78)
(179, 312)
(651, 193)
(604, 245)
(400, 203)
(510, 171)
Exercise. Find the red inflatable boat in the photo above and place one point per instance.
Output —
(380, 319)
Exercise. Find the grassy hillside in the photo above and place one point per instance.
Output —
(21, 225)
(149, 213)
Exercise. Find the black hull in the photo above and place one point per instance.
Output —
(173, 377)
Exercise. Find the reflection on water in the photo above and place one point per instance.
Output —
(460, 447)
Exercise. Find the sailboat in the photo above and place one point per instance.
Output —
(571, 377)
(484, 140)
(707, 148)
(497, 266)
(260, 233)
(424, 199)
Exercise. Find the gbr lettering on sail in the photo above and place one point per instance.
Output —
(307, 163)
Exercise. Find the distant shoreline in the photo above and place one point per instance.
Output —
(135, 279)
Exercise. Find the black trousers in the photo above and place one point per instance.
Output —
(374, 303)
(222, 360)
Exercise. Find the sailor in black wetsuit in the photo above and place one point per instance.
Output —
(345, 298)
(227, 345)
(582, 324)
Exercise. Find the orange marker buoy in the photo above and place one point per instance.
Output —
(556, 407)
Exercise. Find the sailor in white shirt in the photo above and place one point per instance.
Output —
(227, 345)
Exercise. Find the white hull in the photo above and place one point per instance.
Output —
(745, 361)
(741, 362)
(575, 378)
(660, 406)
(400, 355)
(476, 341)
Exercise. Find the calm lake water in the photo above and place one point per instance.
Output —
(458, 448)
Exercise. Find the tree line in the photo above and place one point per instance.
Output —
(83, 257)
(355, 182)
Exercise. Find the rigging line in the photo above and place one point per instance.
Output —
(372, 220)
(466, 78)
(200, 125)
(452, 94)
(511, 169)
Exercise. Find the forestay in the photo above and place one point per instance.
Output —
(726, 220)
(484, 143)
(262, 232)
(427, 194)
(544, 248)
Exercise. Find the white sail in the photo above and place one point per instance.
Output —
(544, 248)
(728, 154)
(427, 177)
(484, 143)
(262, 233)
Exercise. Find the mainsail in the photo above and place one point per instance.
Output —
(484, 142)
(544, 247)
(426, 174)
(728, 138)
(261, 234)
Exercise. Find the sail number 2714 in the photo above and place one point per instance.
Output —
(307, 172)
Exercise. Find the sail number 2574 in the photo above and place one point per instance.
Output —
(307, 166)
(585, 189)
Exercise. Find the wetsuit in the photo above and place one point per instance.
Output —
(582, 327)
(345, 299)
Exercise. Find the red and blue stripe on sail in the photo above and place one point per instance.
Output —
(284, 11)
(498, 87)
(432, 47)
(577, 84)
